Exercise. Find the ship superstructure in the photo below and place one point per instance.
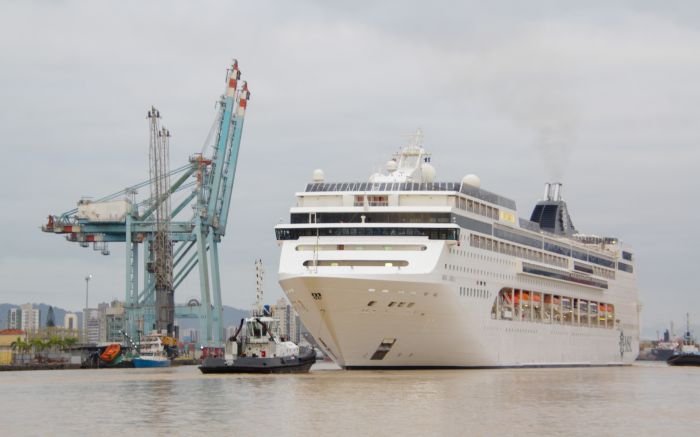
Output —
(403, 271)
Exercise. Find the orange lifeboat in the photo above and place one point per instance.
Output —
(525, 295)
(527, 298)
(110, 353)
(549, 299)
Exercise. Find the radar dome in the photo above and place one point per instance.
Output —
(428, 173)
(318, 175)
(391, 166)
(472, 179)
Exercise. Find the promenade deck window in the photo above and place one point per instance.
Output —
(521, 305)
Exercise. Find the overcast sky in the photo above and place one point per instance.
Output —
(603, 96)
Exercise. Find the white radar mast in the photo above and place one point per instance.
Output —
(410, 164)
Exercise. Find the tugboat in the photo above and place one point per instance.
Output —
(688, 354)
(261, 350)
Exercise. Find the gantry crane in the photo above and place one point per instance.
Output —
(193, 242)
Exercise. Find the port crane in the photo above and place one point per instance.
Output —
(183, 244)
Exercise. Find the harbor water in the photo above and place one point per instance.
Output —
(643, 399)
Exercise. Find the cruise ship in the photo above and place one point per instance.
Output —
(401, 271)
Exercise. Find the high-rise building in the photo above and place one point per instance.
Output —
(92, 325)
(14, 318)
(70, 322)
(102, 310)
(296, 331)
(31, 318)
(114, 322)
(289, 320)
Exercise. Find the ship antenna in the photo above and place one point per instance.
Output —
(418, 138)
(259, 272)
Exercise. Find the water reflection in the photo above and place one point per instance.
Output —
(642, 399)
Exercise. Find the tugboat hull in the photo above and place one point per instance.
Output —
(300, 364)
(684, 360)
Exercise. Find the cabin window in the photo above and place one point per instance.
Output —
(431, 233)
(624, 267)
(378, 200)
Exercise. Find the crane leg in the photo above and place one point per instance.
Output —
(205, 310)
(216, 325)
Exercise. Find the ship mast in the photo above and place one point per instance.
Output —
(161, 246)
(259, 272)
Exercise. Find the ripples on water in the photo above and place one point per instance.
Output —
(645, 399)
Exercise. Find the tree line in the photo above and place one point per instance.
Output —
(36, 346)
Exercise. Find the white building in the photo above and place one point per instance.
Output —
(112, 321)
(31, 318)
(14, 318)
(289, 320)
(92, 325)
(70, 322)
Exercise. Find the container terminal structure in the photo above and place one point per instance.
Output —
(173, 246)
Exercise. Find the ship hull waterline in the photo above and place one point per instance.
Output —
(440, 330)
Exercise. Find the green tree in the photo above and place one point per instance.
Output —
(20, 346)
(38, 345)
(69, 342)
(55, 343)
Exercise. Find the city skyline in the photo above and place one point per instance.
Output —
(106, 321)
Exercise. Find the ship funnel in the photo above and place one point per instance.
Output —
(552, 191)
(551, 213)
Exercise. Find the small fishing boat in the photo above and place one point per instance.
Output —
(260, 351)
(152, 352)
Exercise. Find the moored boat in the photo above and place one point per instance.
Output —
(152, 352)
(111, 352)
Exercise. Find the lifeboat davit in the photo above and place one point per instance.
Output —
(110, 353)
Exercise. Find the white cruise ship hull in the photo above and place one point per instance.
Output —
(432, 323)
